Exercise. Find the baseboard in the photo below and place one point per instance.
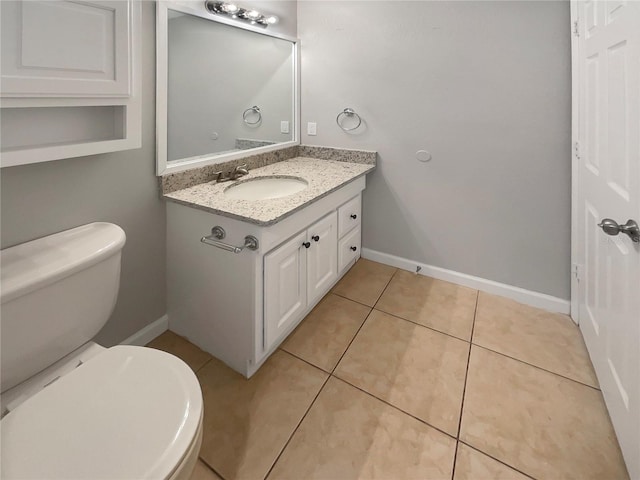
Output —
(148, 333)
(528, 297)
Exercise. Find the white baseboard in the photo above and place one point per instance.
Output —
(528, 297)
(148, 333)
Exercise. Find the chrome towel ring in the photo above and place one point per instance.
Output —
(253, 110)
(348, 112)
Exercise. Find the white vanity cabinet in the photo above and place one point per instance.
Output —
(296, 275)
(240, 306)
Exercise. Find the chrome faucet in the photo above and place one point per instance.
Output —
(237, 172)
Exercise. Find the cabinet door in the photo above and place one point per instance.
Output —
(285, 294)
(65, 48)
(322, 261)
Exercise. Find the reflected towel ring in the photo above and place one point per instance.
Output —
(349, 112)
(255, 109)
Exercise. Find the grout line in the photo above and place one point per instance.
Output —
(210, 467)
(464, 389)
(424, 326)
(351, 342)
(385, 288)
(394, 407)
(351, 299)
(303, 360)
(455, 459)
(536, 366)
(298, 425)
(203, 365)
(497, 460)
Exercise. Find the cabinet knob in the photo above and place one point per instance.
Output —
(354, 216)
(354, 248)
(306, 244)
(316, 238)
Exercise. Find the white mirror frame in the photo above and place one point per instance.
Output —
(162, 48)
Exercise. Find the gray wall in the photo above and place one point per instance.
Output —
(41, 199)
(485, 87)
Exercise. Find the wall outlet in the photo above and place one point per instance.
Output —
(311, 128)
(284, 126)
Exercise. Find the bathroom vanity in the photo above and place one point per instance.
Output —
(242, 273)
(248, 258)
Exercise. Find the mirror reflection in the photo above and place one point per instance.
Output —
(229, 89)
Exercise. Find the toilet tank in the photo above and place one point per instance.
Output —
(57, 292)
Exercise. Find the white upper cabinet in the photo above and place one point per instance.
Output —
(63, 48)
(71, 79)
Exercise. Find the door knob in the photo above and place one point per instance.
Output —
(316, 238)
(306, 244)
(611, 227)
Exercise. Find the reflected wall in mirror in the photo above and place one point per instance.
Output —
(229, 89)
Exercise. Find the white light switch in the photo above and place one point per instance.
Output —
(284, 126)
(311, 128)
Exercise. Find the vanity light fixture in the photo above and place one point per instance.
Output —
(254, 17)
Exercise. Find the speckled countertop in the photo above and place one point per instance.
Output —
(323, 177)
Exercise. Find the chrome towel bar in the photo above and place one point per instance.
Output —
(218, 233)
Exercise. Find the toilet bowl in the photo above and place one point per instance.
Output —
(70, 407)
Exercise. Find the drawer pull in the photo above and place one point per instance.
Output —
(316, 238)
(354, 216)
(354, 248)
(306, 244)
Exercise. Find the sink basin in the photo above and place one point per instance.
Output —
(264, 188)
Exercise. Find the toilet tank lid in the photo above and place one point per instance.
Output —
(32, 265)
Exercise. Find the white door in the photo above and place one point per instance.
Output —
(607, 163)
(285, 293)
(322, 257)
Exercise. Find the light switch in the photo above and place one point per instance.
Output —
(284, 126)
(311, 128)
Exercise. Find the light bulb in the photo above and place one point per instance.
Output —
(253, 14)
(272, 19)
(230, 8)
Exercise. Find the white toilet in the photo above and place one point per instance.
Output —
(74, 409)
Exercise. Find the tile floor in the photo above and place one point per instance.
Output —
(398, 376)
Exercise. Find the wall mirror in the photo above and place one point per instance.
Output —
(224, 90)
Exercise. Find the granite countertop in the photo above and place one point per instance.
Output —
(323, 177)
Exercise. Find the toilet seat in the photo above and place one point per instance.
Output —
(129, 412)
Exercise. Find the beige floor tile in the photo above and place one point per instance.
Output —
(416, 369)
(547, 340)
(443, 306)
(348, 434)
(540, 423)
(473, 465)
(325, 334)
(248, 422)
(181, 348)
(202, 472)
(365, 282)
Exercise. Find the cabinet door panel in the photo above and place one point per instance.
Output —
(63, 48)
(322, 261)
(285, 295)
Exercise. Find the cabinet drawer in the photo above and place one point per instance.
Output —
(348, 249)
(349, 215)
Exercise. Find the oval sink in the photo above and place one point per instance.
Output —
(264, 188)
